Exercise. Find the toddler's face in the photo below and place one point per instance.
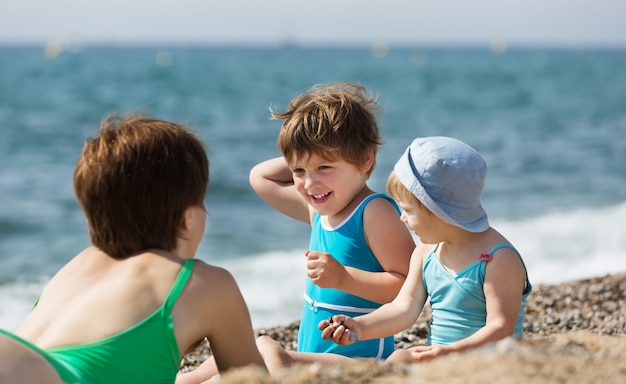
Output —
(414, 214)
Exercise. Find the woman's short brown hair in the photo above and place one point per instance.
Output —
(335, 121)
(134, 181)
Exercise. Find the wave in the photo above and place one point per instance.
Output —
(17, 300)
(563, 246)
(556, 247)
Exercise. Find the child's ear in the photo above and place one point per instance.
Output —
(368, 160)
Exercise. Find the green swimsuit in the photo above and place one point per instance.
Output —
(67, 376)
(145, 353)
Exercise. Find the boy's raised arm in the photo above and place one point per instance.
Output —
(272, 180)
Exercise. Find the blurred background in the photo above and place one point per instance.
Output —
(539, 88)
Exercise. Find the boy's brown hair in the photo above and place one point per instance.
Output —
(134, 181)
(335, 121)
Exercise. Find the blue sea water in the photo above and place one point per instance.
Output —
(551, 124)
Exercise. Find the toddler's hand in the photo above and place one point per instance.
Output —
(341, 329)
(428, 352)
(323, 269)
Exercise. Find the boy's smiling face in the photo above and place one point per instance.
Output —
(327, 185)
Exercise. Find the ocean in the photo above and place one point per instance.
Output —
(551, 124)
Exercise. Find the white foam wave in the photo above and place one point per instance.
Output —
(272, 285)
(17, 300)
(556, 247)
(564, 246)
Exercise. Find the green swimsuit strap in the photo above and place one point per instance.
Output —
(170, 301)
(179, 285)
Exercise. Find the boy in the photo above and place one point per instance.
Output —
(359, 249)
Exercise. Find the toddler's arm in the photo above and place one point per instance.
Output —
(387, 320)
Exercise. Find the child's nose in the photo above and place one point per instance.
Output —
(310, 182)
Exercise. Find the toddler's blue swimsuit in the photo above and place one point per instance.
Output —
(458, 303)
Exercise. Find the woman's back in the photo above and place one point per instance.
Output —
(115, 311)
(95, 296)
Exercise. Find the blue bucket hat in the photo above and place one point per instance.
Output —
(448, 177)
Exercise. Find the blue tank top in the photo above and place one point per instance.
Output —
(458, 303)
(347, 244)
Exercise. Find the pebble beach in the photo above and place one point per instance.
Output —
(574, 332)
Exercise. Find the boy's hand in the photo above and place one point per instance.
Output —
(341, 329)
(323, 269)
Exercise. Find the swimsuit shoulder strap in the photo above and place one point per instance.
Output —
(504, 245)
(384, 196)
(528, 287)
(179, 285)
